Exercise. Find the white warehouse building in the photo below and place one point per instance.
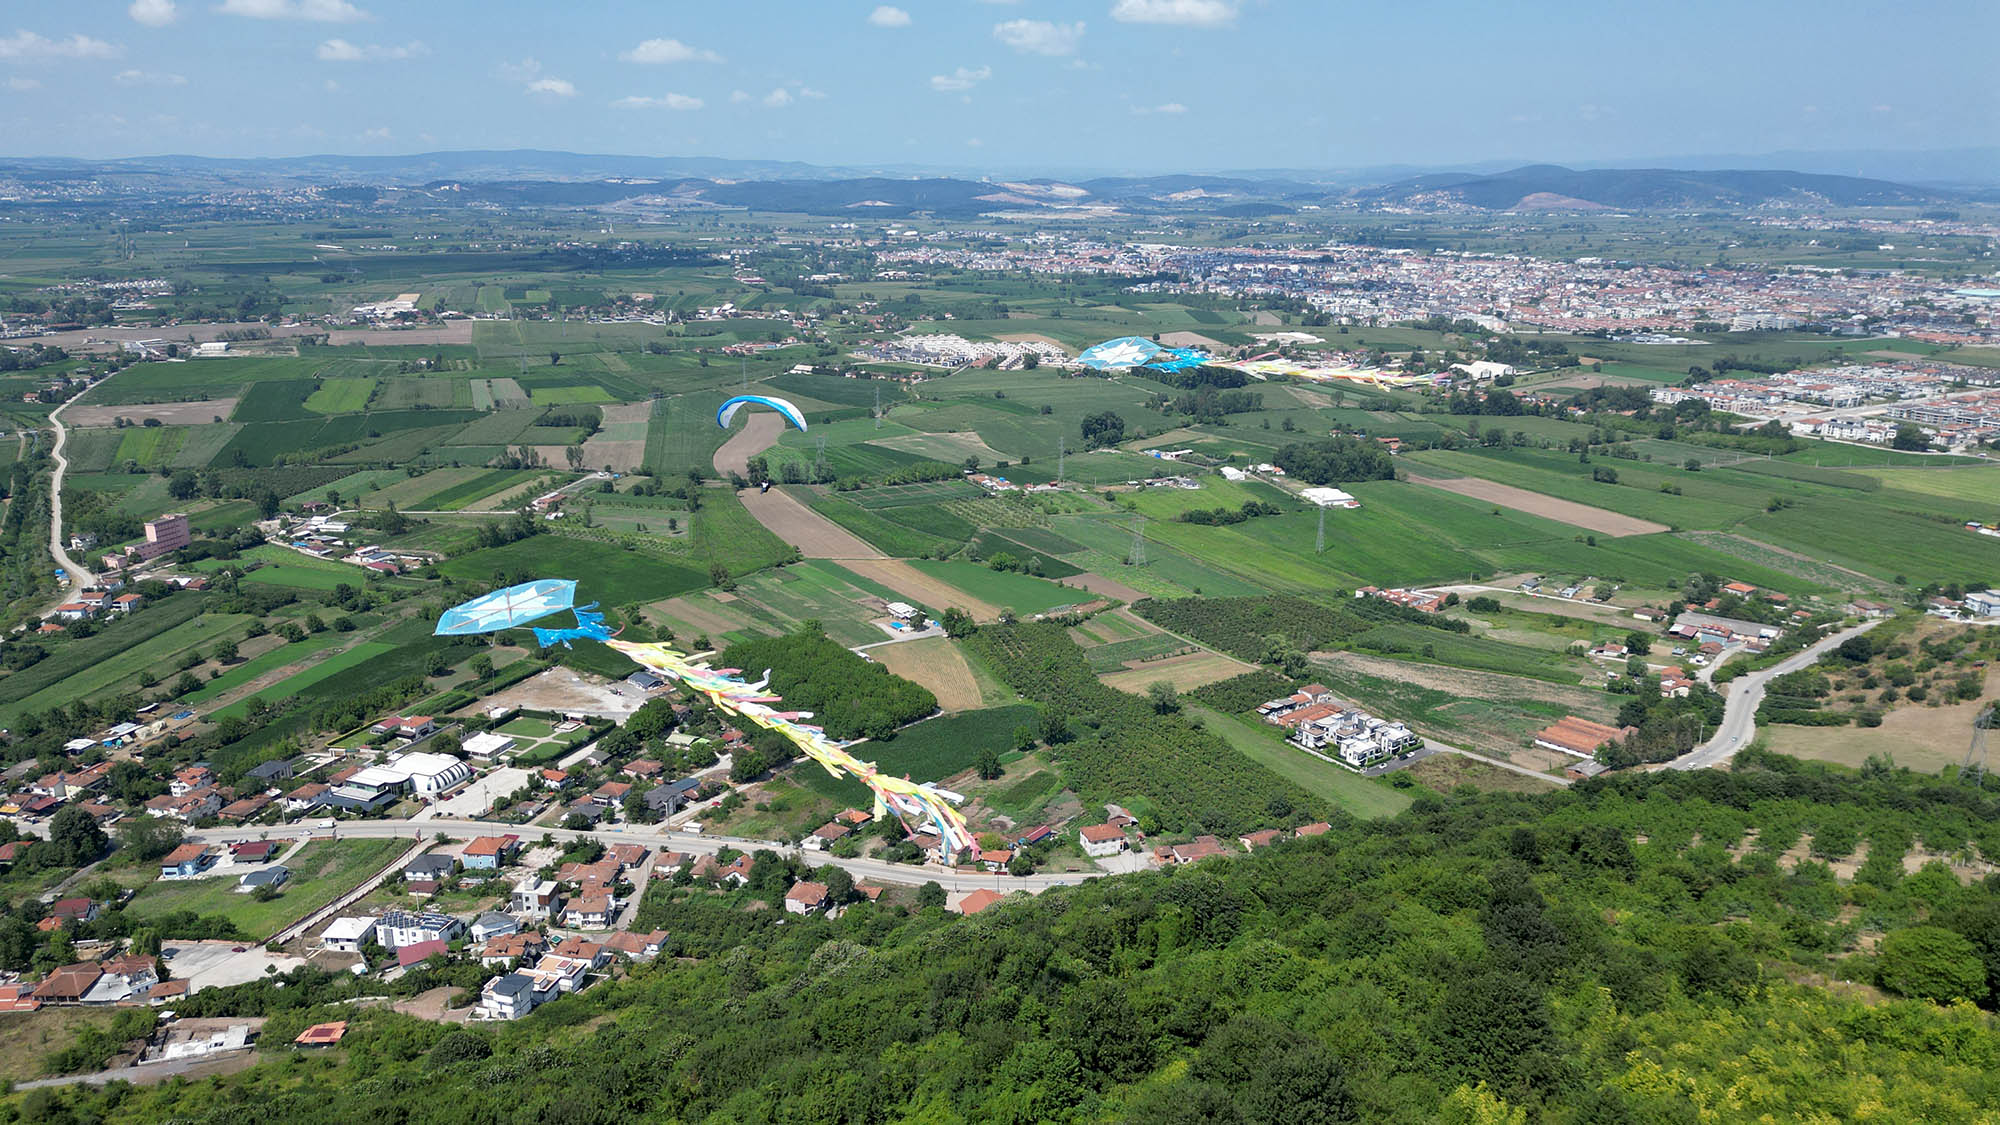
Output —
(425, 774)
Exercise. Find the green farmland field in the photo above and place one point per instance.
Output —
(322, 871)
(299, 681)
(342, 396)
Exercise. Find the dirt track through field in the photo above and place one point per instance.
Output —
(761, 432)
(916, 586)
(1600, 520)
(814, 535)
(936, 664)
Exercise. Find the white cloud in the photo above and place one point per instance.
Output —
(22, 85)
(974, 142)
(340, 50)
(379, 133)
(778, 98)
(153, 13)
(1183, 13)
(664, 101)
(738, 97)
(964, 78)
(668, 51)
(555, 87)
(148, 78)
(314, 11)
(28, 45)
(1040, 36)
(808, 92)
(886, 16)
(1164, 107)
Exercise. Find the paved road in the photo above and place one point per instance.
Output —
(1746, 692)
(873, 870)
(78, 574)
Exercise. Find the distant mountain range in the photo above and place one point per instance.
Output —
(558, 179)
(1552, 187)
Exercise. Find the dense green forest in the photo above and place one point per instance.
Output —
(1625, 951)
(849, 696)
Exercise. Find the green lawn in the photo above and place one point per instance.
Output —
(321, 872)
(121, 669)
(1265, 745)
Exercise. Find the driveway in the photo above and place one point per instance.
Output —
(216, 964)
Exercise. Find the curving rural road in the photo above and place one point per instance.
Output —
(80, 576)
(1746, 693)
(870, 869)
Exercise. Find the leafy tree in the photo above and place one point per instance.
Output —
(1930, 963)
(75, 837)
(957, 623)
(988, 764)
(930, 894)
(1910, 437)
(1102, 429)
(150, 837)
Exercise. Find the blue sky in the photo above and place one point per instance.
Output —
(1144, 85)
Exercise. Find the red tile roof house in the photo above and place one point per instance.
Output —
(636, 947)
(805, 898)
(1101, 839)
(977, 901)
(489, 853)
(1254, 840)
(589, 912)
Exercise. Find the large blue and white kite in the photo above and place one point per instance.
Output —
(505, 609)
(728, 412)
(1136, 351)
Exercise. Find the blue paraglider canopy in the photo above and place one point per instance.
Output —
(729, 409)
(504, 609)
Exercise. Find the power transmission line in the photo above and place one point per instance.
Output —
(1974, 766)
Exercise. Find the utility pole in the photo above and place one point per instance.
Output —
(878, 406)
(1138, 543)
(1062, 456)
(1319, 546)
(1974, 768)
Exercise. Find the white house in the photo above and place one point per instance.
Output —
(347, 935)
(1101, 839)
(508, 997)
